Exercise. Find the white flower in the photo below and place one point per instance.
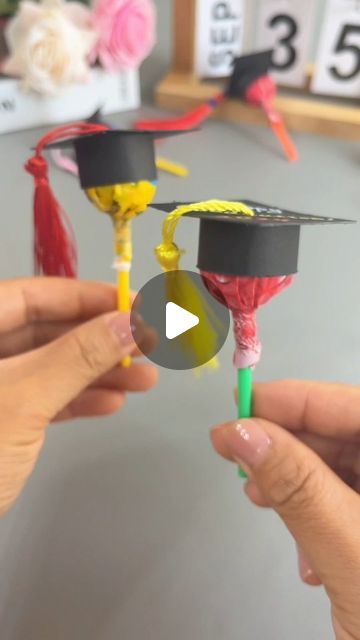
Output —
(49, 45)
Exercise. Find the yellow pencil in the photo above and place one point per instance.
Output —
(172, 167)
(123, 251)
(124, 302)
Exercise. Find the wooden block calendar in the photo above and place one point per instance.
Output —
(317, 96)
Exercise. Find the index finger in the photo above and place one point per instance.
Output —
(27, 300)
(325, 409)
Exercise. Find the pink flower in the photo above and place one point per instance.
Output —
(126, 29)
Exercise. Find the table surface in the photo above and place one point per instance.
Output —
(130, 526)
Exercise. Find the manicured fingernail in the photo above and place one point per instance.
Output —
(248, 443)
(127, 332)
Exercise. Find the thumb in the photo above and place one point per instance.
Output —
(65, 367)
(320, 511)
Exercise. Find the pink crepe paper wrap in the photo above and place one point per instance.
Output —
(243, 296)
(127, 32)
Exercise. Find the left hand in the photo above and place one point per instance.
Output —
(37, 311)
(61, 344)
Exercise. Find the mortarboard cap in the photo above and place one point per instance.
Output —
(115, 156)
(246, 70)
(96, 117)
(263, 245)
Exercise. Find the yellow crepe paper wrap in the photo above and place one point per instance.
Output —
(123, 202)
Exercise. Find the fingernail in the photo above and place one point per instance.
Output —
(126, 331)
(248, 443)
(307, 574)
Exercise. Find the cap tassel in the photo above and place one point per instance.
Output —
(55, 252)
(189, 120)
(179, 285)
(262, 93)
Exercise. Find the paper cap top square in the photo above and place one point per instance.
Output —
(264, 244)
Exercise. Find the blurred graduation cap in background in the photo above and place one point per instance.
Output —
(247, 70)
(250, 82)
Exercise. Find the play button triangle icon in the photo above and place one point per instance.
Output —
(178, 320)
(177, 323)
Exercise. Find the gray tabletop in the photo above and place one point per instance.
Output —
(130, 526)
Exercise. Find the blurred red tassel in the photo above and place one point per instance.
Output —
(55, 251)
(190, 120)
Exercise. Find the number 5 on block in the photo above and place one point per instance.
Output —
(287, 26)
(337, 69)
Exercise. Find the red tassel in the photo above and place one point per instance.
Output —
(190, 120)
(55, 252)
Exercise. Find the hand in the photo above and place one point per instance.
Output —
(308, 470)
(61, 343)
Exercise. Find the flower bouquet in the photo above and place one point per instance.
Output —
(66, 59)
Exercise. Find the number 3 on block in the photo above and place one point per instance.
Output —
(286, 26)
(337, 69)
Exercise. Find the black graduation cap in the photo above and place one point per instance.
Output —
(263, 245)
(246, 70)
(115, 156)
(97, 117)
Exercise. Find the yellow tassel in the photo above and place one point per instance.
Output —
(180, 286)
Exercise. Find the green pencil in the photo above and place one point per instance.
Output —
(244, 399)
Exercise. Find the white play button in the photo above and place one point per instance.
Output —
(178, 320)
(180, 342)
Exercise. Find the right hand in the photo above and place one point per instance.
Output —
(302, 454)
